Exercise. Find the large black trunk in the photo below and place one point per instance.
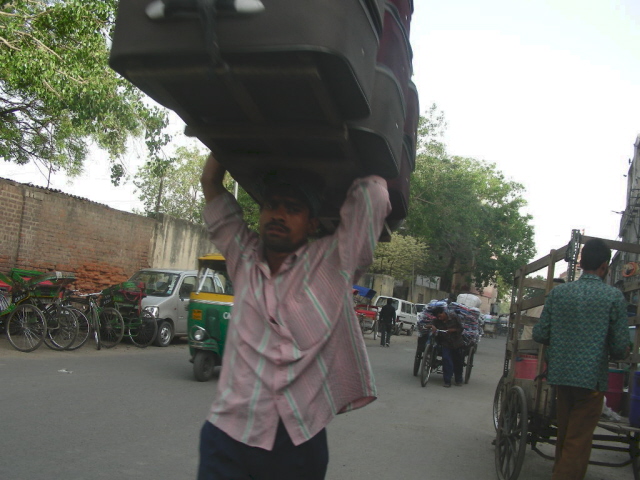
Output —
(302, 84)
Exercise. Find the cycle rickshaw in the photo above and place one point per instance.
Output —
(524, 403)
(429, 353)
(367, 313)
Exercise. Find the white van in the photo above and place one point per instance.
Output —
(406, 316)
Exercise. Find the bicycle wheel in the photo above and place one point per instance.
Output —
(62, 328)
(469, 365)
(111, 327)
(422, 340)
(84, 329)
(143, 330)
(427, 363)
(26, 328)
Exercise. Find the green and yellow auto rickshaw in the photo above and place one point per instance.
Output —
(209, 312)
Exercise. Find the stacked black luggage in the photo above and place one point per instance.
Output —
(321, 85)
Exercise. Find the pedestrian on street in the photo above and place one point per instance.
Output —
(451, 343)
(294, 355)
(585, 325)
(387, 322)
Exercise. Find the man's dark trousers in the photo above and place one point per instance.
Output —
(578, 411)
(452, 360)
(385, 333)
(223, 458)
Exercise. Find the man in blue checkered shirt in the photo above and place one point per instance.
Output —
(584, 323)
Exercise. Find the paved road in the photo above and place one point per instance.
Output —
(128, 413)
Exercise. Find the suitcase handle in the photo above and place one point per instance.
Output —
(171, 9)
(207, 11)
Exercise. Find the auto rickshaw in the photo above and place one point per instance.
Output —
(209, 312)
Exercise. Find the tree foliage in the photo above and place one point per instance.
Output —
(400, 258)
(468, 213)
(172, 186)
(57, 92)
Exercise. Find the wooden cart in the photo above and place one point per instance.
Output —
(524, 403)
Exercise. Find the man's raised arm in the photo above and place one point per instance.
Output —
(211, 179)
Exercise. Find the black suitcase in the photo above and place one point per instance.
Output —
(399, 187)
(411, 122)
(405, 9)
(378, 138)
(297, 61)
(395, 50)
(369, 146)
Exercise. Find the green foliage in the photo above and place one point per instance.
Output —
(172, 186)
(401, 258)
(468, 213)
(57, 92)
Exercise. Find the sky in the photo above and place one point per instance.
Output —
(548, 90)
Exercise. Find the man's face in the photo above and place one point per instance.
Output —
(442, 316)
(285, 223)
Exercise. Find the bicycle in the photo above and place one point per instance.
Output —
(62, 324)
(31, 321)
(431, 357)
(106, 322)
(87, 325)
(140, 326)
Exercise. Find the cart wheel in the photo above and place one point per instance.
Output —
(498, 400)
(511, 439)
(469, 366)
(425, 367)
(634, 452)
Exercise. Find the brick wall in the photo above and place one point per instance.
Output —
(46, 230)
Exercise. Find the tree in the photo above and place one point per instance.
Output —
(172, 186)
(400, 258)
(468, 213)
(57, 92)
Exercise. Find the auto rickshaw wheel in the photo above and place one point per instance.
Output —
(511, 439)
(204, 364)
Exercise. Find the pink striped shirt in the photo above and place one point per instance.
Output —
(294, 350)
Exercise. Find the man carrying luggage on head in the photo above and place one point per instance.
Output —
(387, 322)
(294, 354)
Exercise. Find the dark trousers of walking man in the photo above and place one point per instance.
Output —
(578, 412)
(385, 333)
(452, 360)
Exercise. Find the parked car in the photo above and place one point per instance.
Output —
(167, 299)
(406, 316)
